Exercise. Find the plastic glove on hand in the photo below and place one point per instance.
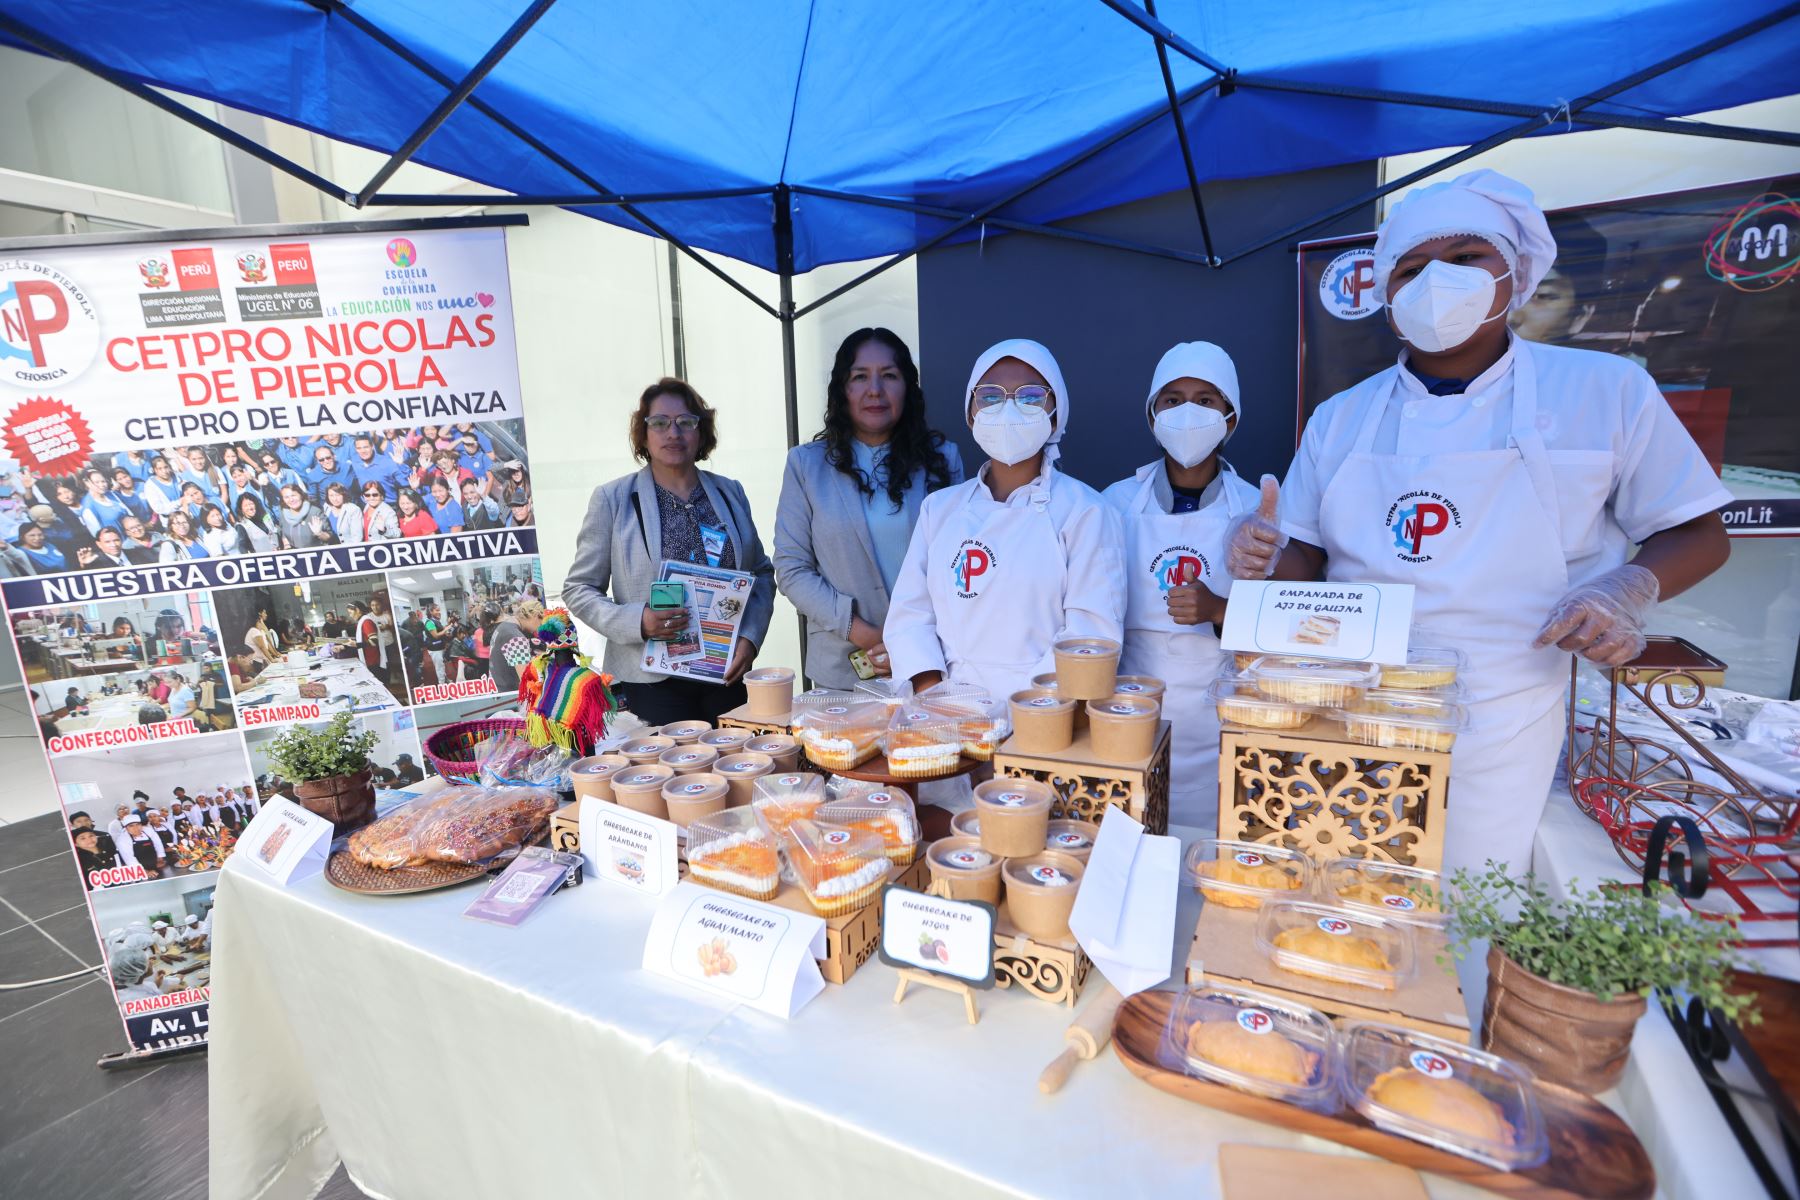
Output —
(1254, 541)
(1603, 619)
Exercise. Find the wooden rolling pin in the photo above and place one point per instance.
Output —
(1087, 1036)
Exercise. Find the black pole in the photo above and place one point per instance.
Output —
(1181, 136)
(784, 263)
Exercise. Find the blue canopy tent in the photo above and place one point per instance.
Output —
(795, 133)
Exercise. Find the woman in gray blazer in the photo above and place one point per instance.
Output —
(850, 499)
(669, 510)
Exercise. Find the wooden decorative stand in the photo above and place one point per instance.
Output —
(740, 718)
(1053, 971)
(1086, 786)
(1328, 796)
(909, 975)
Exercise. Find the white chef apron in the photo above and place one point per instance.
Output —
(1478, 534)
(1185, 657)
(996, 585)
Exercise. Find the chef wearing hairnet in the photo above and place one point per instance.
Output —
(1176, 511)
(1002, 565)
(1508, 481)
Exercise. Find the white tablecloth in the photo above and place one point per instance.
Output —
(440, 1058)
(351, 686)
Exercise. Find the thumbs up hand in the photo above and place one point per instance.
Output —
(1187, 605)
(1254, 541)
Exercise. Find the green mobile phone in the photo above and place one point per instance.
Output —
(859, 662)
(668, 594)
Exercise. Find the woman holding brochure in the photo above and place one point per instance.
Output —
(668, 511)
(1507, 481)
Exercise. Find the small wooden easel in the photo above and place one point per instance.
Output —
(910, 975)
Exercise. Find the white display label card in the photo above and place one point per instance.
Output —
(954, 938)
(628, 848)
(1358, 622)
(284, 842)
(749, 951)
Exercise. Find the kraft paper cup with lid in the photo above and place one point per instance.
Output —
(741, 771)
(1015, 815)
(725, 741)
(689, 760)
(686, 733)
(642, 750)
(1147, 686)
(967, 871)
(1043, 721)
(1086, 667)
(1073, 838)
(966, 824)
(1123, 728)
(1040, 893)
(592, 776)
(694, 797)
(640, 789)
(771, 691)
(783, 749)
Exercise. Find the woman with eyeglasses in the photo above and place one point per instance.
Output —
(1176, 512)
(1003, 565)
(668, 511)
(850, 500)
(379, 519)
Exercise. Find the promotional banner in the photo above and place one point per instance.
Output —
(248, 484)
(1696, 287)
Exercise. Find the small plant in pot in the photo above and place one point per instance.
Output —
(328, 766)
(1568, 979)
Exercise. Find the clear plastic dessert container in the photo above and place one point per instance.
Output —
(840, 734)
(983, 721)
(1371, 885)
(1239, 702)
(1247, 874)
(1257, 1043)
(731, 851)
(891, 692)
(1343, 945)
(1014, 815)
(642, 750)
(785, 797)
(1427, 668)
(1317, 681)
(689, 759)
(1043, 721)
(1040, 893)
(1403, 720)
(1442, 1093)
(1072, 837)
(838, 869)
(885, 812)
(967, 871)
(921, 744)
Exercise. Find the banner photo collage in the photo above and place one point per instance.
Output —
(247, 484)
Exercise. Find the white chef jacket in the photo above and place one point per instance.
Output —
(1092, 582)
(1597, 413)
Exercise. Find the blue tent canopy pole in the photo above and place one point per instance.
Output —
(1181, 137)
(450, 103)
(1567, 111)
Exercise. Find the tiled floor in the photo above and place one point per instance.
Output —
(69, 1130)
(28, 791)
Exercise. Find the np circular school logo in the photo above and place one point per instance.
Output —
(49, 332)
(1403, 903)
(1074, 840)
(837, 837)
(1043, 702)
(1245, 858)
(962, 858)
(1434, 1065)
(1010, 799)
(972, 567)
(878, 798)
(788, 780)
(1336, 926)
(694, 788)
(1416, 520)
(837, 710)
(1178, 566)
(1255, 1020)
(1347, 288)
(1049, 876)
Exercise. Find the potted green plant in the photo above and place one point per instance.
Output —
(328, 766)
(1568, 979)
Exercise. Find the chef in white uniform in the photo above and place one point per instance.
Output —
(1176, 512)
(1508, 482)
(1007, 562)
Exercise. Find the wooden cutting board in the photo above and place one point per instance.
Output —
(1260, 1172)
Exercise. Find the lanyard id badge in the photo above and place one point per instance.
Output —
(712, 540)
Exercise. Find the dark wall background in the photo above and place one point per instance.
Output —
(1108, 315)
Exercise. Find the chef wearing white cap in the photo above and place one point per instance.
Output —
(1176, 511)
(1507, 481)
(1002, 565)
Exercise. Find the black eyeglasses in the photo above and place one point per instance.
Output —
(686, 422)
